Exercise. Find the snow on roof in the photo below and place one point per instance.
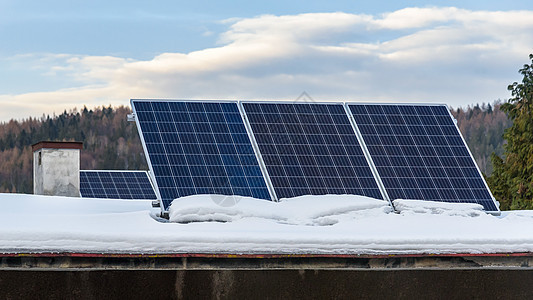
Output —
(218, 224)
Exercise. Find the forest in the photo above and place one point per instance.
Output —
(483, 126)
(111, 142)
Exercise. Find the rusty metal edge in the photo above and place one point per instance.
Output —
(226, 255)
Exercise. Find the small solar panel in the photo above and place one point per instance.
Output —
(198, 148)
(116, 185)
(310, 149)
(419, 153)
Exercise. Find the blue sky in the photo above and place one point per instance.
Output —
(56, 55)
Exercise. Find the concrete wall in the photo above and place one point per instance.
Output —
(266, 284)
(231, 276)
(57, 172)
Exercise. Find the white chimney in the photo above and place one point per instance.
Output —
(56, 168)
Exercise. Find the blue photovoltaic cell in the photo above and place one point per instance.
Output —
(199, 148)
(310, 149)
(419, 153)
(116, 185)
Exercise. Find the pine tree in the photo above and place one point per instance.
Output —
(512, 179)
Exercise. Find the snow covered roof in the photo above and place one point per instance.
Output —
(329, 224)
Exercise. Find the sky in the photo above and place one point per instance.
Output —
(57, 55)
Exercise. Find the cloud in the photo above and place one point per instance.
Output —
(408, 18)
(448, 55)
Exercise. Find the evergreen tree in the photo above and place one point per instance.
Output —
(512, 179)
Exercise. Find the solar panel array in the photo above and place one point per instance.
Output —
(273, 150)
(310, 150)
(199, 148)
(116, 185)
(420, 154)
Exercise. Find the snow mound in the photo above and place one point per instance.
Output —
(405, 207)
(304, 210)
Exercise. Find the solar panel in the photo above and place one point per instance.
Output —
(116, 185)
(198, 148)
(310, 149)
(419, 153)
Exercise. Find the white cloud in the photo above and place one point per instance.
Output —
(445, 55)
(417, 17)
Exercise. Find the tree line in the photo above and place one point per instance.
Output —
(109, 142)
(482, 127)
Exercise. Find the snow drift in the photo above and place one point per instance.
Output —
(303, 210)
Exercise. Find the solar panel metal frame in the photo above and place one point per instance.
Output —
(366, 152)
(348, 115)
(148, 175)
(257, 152)
(245, 123)
(496, 204)
(146, 156)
